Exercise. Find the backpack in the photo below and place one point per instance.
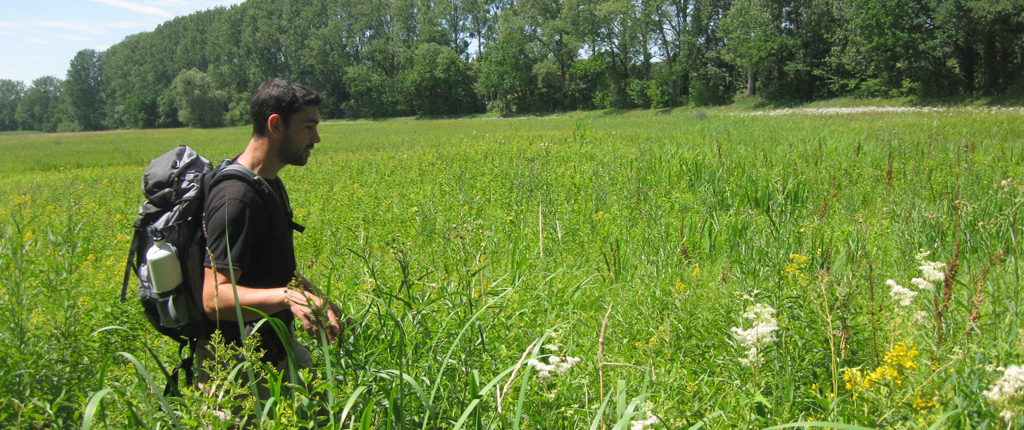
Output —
(175, 185)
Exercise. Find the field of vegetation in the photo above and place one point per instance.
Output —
(646, 269)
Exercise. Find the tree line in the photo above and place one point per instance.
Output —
(383, 58)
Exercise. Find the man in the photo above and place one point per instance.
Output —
(249, 235)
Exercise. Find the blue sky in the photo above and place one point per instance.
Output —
(42, 36)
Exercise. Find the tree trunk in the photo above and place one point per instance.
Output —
(751, 82)
(968, 65)
(988, 59)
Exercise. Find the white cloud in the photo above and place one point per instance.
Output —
(78, 26)
(135, 7)
(127, 24)
(8, 28)
(38, 41)
(75, 37)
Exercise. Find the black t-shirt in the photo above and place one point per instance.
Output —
(256, 226)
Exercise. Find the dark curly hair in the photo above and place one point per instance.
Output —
(279, 96)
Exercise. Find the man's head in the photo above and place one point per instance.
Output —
(281, 97)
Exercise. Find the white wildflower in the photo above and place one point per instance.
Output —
(644, 423)
(900, 293)
(759, 335)
(923, 285)
(931, 271)
(752, 358)
(554, 366)
(920, 317)
(1007, 394)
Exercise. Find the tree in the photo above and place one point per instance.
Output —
(984, 39)
(750, 30)
(11, 93)
(890, 41)
(82, 90)
(372, 93)
(506, 68)
(198, 103)
(556, 29)
(38, 108)
(710, 81)
(440, 82)
(131, 85)
(675, 43)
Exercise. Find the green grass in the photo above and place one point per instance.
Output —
(463, 247)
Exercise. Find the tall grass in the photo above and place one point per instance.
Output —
(466, 248)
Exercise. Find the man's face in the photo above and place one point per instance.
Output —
(300, 135)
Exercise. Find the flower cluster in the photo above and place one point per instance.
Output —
(554, 365)
(759, 335)
(902, 295)
(898, 360)
(649, 421)
(921, 403)
(797, 267)
(902, 355)
(931, 271)
(1007, 394)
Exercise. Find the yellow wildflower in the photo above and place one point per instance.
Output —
(853, 379)
(922, 403)
(680, 287)
(884, 372)
(800, 260)
(903, 355)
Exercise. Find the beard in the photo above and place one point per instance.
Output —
(294, 153)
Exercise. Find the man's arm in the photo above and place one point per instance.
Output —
(308, 307)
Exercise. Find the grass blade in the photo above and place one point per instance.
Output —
(158, 392)
(90, 408)
(351, 402)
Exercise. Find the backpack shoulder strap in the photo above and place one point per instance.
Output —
(238, 171)
(132, 265)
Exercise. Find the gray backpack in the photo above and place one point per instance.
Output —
(175, 186)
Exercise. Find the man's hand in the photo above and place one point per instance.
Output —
(314, 313)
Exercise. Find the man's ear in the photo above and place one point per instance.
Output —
(275, 124)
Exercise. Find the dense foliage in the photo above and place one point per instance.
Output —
(683, 269)
(442, 57)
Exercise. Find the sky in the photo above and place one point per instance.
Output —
(42, 36)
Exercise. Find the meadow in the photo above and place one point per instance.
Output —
(644, 269)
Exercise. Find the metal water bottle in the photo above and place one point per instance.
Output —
(164, 266)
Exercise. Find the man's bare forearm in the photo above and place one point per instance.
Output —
(219, 298)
